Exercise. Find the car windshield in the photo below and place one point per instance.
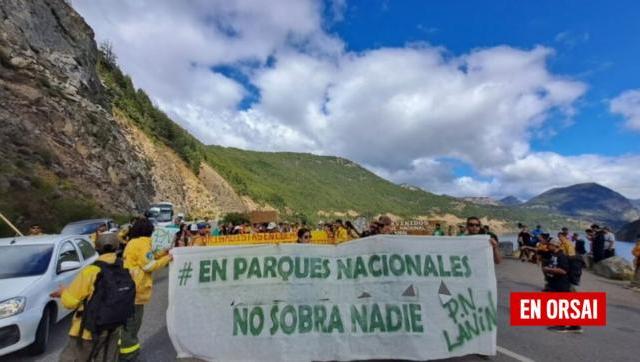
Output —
(165, 215)
(24, 260)
(81, 229)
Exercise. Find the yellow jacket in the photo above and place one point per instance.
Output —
(342, 235)
(81, 289)
(636, 252)
(567, 246)
(141, 262)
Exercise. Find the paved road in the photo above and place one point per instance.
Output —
(618, 341)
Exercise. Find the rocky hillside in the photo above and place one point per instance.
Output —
(63, 156)
(68, 152)
(588, 201)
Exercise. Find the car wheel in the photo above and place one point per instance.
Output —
(39, 346)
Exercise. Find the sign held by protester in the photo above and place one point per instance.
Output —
(381, 297)
(162, 238)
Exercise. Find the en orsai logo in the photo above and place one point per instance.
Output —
(547, 309)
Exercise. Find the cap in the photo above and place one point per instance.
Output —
(271, 226)
(193, 227)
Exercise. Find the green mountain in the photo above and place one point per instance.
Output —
(588, 201)
(298, 183)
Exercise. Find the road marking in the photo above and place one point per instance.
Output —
(513, 355)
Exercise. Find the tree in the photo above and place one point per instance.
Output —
(235, 218)
(106, 48)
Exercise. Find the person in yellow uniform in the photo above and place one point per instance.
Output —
(635, 282)
(341, 232)
(566, 245)
(79, 347)
(203, 238)
(141, 261)
(99, 231)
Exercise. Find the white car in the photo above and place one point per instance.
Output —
(31, 268)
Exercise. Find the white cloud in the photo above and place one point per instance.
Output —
(402, 112)
(571, 38)
(627, 104)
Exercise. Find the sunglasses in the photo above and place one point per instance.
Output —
(306, 237)
(473, 224)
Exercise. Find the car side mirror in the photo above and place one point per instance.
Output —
(66, 266)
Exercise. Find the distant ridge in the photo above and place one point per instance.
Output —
(510, 201)
(588, 201)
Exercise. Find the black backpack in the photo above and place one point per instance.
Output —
(113, 299)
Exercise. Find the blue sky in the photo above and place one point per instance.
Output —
(597, 42)
(466, 98)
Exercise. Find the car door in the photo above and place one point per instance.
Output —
(68, 251)
(89, 254)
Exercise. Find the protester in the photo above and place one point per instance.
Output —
(341, 232)
(99, 231)
(304, 236)
(542, 247)
(598, 243)
(123, 234)
(474, 227)
(527, 249)
(609, 243)
(35, 230)
(450, 230)
(82, 345)
(385, 224)
(203, 238)
(487, 230)
(535, 233)
(556, 270)
(353, 232)
(141, 262)
(635, 282)
(579, 244)
(438, 231)
(374, 229)
(182, 236)
(462, 230)
(565, 244)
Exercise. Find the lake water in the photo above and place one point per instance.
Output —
(623, 248)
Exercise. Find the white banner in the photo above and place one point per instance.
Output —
(381, 297)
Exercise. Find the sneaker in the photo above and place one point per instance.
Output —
(574, 329)
(560, 329)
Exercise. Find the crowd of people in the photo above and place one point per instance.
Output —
(91, 338)
(204, 233)
(532, 244)
(563, 256)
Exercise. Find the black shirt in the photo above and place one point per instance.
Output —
(525, 237)
(557, 282)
